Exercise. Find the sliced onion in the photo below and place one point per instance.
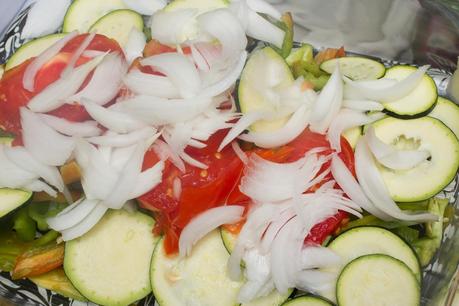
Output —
(353, 93)
(124, 140)
(346, 119)
(72, 217)
(363, 105)
(44, 143)
(227, 80)
(261, 6)
(315, 281)
(165, 152)
(261, 29)
(147, 180)
(157, 111)
(374, 187)
(274, 228)
(174, 27)
(243, 123)
(23, 159)
(105, 82)
(12, 176)
(40, 186)
(319, 257)
(93, 53)
(351, 187)
(31, 71)
(392, 158)
(111, 119)
(199, 59)
(206, 222)
(145, 7)
(76, 55)
(45, 17)
(212, 53)
(150, 84)
(258, 276)
(328, 104)
(225, 27)
(57, 93)
(179, 69)
(241, 154)
(80, 129)
(135, 45)
(292, 129)
(241, 10)
(390, 93)
(86, 225)
(177, 188)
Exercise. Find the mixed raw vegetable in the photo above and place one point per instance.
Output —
(192, 150)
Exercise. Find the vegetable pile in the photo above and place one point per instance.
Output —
(191, 150)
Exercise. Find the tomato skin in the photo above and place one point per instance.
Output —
(13, 95)
(326, 228)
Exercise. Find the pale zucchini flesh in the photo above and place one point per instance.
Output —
(118, 24)
(432, 175)
(10, 199)
(109, 265)
(82, 14)
(447, 112)
(377, 280)
(419, 101)
(31, 49)
(356, 68)
(201, 5)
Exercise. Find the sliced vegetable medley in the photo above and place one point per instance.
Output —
(144, 149)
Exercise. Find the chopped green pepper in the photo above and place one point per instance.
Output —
(24, 225)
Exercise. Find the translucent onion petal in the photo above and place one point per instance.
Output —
(12, 176)
(44, 143)
(363, 105)
(70, 128)
(145, 7)
(135, 45)
(72, 217)
(206, 222)
(86, 225)
(261, 29)
(124, 140)
(174, 27)
(40, 186)
(150, 84)
(261, 6)
(147, 180)
(76, 55)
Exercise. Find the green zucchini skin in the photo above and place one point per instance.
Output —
(308, 300)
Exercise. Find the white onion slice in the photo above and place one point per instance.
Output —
(328, 104)
(315, 281)
(158, 111)
(353, 93)
(241, 154)
(261, 6)
(85, 226)
(292, 129)
(199, 59)
(374, 187)
(69, 128)
(388, 93)
(39, 186)
(346, 119)
(145, 7)
(72, 217)
(225, 27)
(135, 45)
(147, 180)
(363, 105)
(23, 159)
(44, 143)
(164, 152)
(351, 187)
(261, 29)
(319, 257)
(210, 52)
(174, 27)
(105, 82)
(391, 157)
(258, 276)
(111, 119)
(124, 140)
(45, 17)
(243, 123)
(227, 80)
(31, 71)
(76, 55)
(206, 222)
(149, 84)
(179, 69)
(12, 176)
(55, 94)
(177, 188)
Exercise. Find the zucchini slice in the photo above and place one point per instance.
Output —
(10, 199)
(307, 300)
(32, 49)
(83, 13)
(355, 67)
(263, 66)
(202, 5)
(417, 103)
(447, 112)
(109, 264)
(365, 240)
(353, 135)
(118, 24)
(431, 176)
(377, 280)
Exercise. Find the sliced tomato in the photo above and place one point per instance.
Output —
(200, 189)
(154, 47)
(13, 95)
